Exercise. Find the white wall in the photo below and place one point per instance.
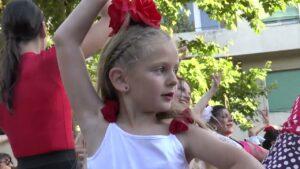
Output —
(245, 41)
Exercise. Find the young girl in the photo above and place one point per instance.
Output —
(137, 80)
(34, 110)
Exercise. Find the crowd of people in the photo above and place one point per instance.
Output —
(140, 115)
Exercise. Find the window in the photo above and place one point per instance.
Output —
(287, 89)
(202, 20)
(185, 22)
(291, 13)
(207, 23)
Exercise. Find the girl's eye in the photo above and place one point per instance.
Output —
(161, 69)
(181, 89)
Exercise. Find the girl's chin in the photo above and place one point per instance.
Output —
(228, 132)
(165, 108)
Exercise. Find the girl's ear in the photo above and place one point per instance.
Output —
(118, 79)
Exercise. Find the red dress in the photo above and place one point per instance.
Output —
(42, 118)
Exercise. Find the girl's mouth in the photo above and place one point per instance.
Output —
(168, 96)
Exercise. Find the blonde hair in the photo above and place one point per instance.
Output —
(125, 48)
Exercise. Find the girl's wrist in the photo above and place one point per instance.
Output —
(214, 89)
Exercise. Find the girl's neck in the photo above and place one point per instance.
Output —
(133, 118)
(145, 124)
(34, 46)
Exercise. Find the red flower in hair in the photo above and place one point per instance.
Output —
(117, 12)
(269, 128)
(145, 11)
(141, 11)
(180, 124)
(110, 111)
(186, 113)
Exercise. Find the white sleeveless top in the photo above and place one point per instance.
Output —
(121, 150)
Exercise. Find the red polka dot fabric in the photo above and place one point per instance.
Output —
(292, 125)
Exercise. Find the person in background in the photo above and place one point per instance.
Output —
(271, 134)
(35, 112)
(253, 133)
(181, 102)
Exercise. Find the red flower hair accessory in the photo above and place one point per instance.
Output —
(180, 124)
(269, 128)
(141, 11)
(110, 110)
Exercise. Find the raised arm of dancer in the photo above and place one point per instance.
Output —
(98, 34)
(82, 95)
(199, 143)
(201, 104)
(254, 131)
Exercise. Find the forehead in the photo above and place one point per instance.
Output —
(162, 50)
(224, 112)
(184, 84)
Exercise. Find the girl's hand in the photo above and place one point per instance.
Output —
(104, 11)
(265, 116)
(216, 80)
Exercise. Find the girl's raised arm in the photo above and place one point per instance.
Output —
(98, 34)
(202, 103)
(68, 39)
(201, 144)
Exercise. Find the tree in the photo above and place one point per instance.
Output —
(55, 11)
(239, 90)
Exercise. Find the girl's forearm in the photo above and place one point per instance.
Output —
(202, 103)
(76, 26)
